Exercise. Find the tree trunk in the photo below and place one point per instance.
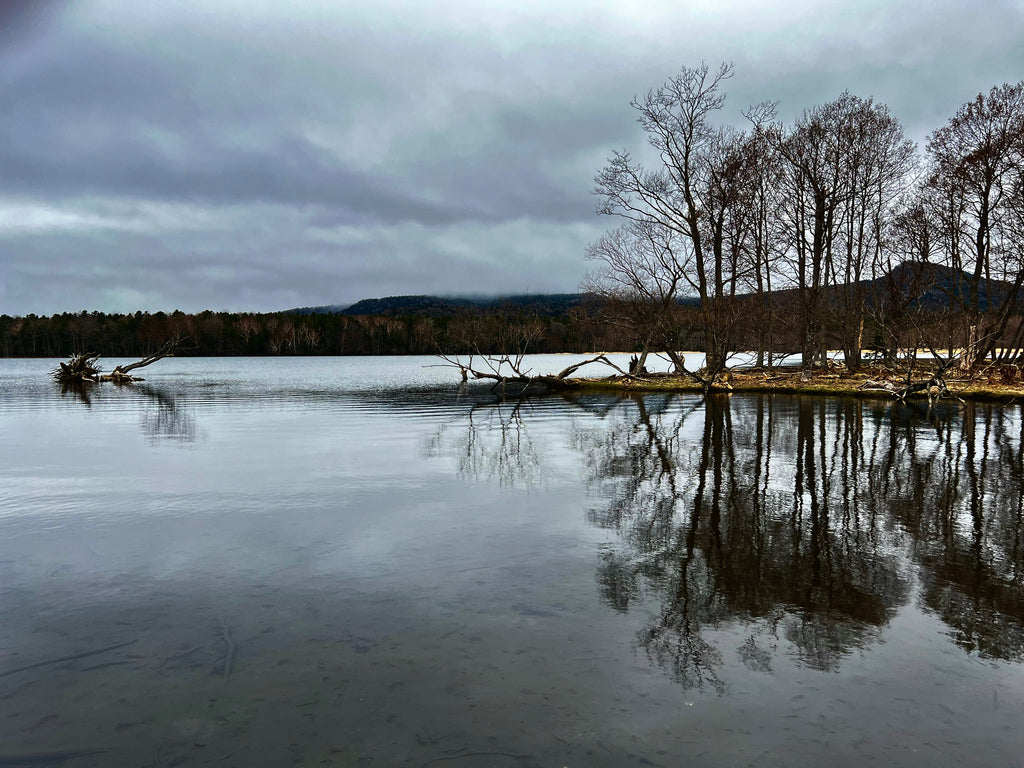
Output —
(968, 361)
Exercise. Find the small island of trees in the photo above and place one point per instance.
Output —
(826, 234)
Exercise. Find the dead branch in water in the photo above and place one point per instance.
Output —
(82, 368)
(509, 369)
(120, 373)
(933, 385)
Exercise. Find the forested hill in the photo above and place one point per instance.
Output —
(925, 285)
(933, 284)
(937, 286)
(540, 304)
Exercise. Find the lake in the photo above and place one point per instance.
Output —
(356, 562)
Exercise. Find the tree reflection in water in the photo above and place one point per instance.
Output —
(163, 420)
(493, 444)
(744, 514)
(806, 522)
(964, 508)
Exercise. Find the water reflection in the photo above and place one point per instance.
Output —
(162, 418)
(492, 444)
(964, 507)
(529, 593)
(79, 391)
(165, 419)
(807, 522)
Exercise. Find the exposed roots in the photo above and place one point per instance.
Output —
(79, 369)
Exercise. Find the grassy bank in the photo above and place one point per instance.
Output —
(998, 385)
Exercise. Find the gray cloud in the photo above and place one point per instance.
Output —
(257, 156)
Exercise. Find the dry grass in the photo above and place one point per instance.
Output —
(998, 383)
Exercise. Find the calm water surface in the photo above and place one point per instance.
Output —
(352, 562)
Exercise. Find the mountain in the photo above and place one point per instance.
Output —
(542, 304)
(930, 286)
(933, 284)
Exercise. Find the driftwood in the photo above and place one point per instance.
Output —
(934, 386)
(508, 369)
(120, 372)
(82, 368)
(72, 657)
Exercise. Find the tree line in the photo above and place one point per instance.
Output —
(588, 327)
(210, 333)
(824, 234)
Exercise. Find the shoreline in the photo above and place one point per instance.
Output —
(874, 383)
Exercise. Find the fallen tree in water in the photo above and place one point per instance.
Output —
(82, 368)
(506, 369)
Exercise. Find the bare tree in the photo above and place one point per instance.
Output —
(905, 278)
(763, 235)
(684, 194)
(976, 172)
(641, 275)
(814, 187)
(879, 161)
(847, 162)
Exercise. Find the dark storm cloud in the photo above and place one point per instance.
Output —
(20, 18)
(256, 155)
(94, 123)
(95, 120)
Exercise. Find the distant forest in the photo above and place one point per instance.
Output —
(427, 325)
(425, 328)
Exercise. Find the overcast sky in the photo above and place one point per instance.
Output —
(257, 155)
